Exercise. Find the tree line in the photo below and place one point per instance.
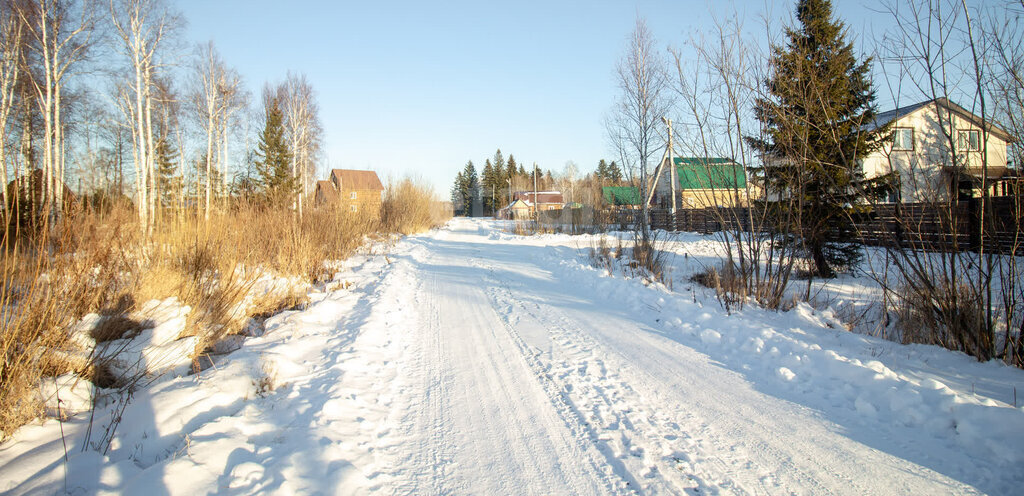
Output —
(105, 97)
(500, 178)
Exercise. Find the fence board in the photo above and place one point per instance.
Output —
(915, 225)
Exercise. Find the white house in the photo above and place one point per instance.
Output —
(938, 150)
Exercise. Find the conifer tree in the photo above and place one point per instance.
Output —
(465, 189)
(167, 180)
(457, 188)
(276, 182)
(510, 167)
(817, 118)
(614, 172)
(489, 184)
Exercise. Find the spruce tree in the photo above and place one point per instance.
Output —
(614, 172)
(489, 184)
(816, 120)
(603, 174)
(468, 187)
(510, 170)
(457, 188)
(167, 180)
(276, 182)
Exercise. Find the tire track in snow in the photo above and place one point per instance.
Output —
(474, 421)
(711, 427)
(625, 435)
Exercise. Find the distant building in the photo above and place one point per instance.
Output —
(517, 210)
(353, 190)
(541, 200)
(704, 182)
(621, 196)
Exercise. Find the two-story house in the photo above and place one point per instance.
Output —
(353, 190)
(939, 151)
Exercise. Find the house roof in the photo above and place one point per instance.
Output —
(709, 173)
(541, 197)
(898, 113)
(357, 179)
(621, 195)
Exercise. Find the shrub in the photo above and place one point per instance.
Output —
(410, 206)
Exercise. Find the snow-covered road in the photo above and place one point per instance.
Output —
(471, 361)
(527, 383)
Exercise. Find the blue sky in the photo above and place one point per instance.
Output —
(422, 87)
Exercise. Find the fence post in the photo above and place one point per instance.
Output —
(974, 223)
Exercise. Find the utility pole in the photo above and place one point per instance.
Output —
(536, 210)
(672, 173)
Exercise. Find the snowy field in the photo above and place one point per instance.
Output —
(473, 361)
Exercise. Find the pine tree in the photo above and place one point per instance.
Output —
(614, 173)
(820, 99)
(276, 182)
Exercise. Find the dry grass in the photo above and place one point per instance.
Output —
(101, 263)
(411, 206)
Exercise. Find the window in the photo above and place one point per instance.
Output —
(353, 195)
(903, 139)
(968, 141)
(354, 208)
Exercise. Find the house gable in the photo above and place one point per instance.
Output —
(356, 190)
(921, 151)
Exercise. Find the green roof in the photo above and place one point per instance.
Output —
(621, 195)
(709, 173)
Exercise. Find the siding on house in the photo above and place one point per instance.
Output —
(352, 190)
(926, 169)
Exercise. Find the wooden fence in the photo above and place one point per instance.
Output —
(926, 226)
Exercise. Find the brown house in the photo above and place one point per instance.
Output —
(353, 190)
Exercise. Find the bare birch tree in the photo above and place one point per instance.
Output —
(216, 91)
(302, 124)
(142, 26)
(60, 32)
(11, 46)
(644, 99)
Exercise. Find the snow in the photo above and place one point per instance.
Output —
(470, 360)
